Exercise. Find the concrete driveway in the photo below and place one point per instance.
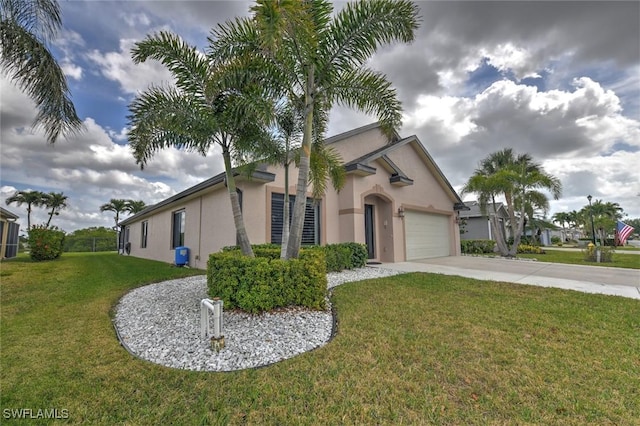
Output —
(588, 279)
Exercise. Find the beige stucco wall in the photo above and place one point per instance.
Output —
(210, 226)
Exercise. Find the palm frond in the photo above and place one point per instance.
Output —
(189, 66)
(39, 17)
(370, 92)
(164, 117)
(34, 69)
(360, 28)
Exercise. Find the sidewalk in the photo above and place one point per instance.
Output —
(589, 279)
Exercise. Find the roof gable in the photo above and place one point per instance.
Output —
(363, 165)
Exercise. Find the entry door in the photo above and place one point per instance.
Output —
(369, 230)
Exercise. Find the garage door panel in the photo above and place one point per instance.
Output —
(427, 235)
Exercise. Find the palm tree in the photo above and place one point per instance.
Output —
(605, 216)
(517, 179)
(308, 54)
(214, 102)
(117, 206)
(325, 165)
(25, 29)
(55, 201)
(563, 218)
(30, 198)
(134, 206)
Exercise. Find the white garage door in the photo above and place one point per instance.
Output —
(427, 235)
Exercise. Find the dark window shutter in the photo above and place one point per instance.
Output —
(311, 230)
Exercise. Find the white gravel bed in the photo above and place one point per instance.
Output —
(161, 323)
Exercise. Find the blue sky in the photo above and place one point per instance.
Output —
(558, 80)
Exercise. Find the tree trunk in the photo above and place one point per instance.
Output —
(241, 231)
(517, 236)
(285, 211)
(299, 207)
(499, 236)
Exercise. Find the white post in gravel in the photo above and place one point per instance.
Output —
(215, 306)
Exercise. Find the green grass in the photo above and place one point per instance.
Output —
(411, 349)
(576, 257)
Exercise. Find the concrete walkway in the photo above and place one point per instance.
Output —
(589, 279)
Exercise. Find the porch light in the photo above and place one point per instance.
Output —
(401, 211)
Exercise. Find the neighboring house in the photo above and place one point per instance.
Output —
(9, 229)
(396, 201)
(476, 225)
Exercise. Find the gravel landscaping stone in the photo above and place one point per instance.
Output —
(161, 323)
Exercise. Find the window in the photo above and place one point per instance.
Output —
(178, 228)
(311, 230)
(143, 234)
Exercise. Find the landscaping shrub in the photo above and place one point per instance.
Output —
(529, 249)
(556, 240)
(477, 246)
(266, 282)
(591, 254)
(359, 254)
(45, 243)
(338, 256)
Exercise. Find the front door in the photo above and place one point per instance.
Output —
(369, 231)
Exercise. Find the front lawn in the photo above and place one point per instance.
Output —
(576, 257)
(410, 349)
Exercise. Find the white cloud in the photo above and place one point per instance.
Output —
(132, 78)
(71, 70)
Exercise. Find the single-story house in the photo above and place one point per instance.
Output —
(9, 230)
(396, 200)
(475, 225)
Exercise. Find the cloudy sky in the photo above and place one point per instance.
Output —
(557, 80)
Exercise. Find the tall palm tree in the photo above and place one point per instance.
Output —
(563, 218)
(117, 206)
(517, 179)
(213, 102)
(605, 215)
(308, 54)
(25, 29)
(326, 163)
(134, 206)
(30, 198)
(55, 201)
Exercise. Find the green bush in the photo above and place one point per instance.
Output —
(529, 249)
(591, 254)
(45, 243)
(359, 254)
(266, 282)
(556, 240)
(477, 246)
(338, 256)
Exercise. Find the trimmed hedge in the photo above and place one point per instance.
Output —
(477, 246)
(266, 282)
(45, 243)
(339, 256)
